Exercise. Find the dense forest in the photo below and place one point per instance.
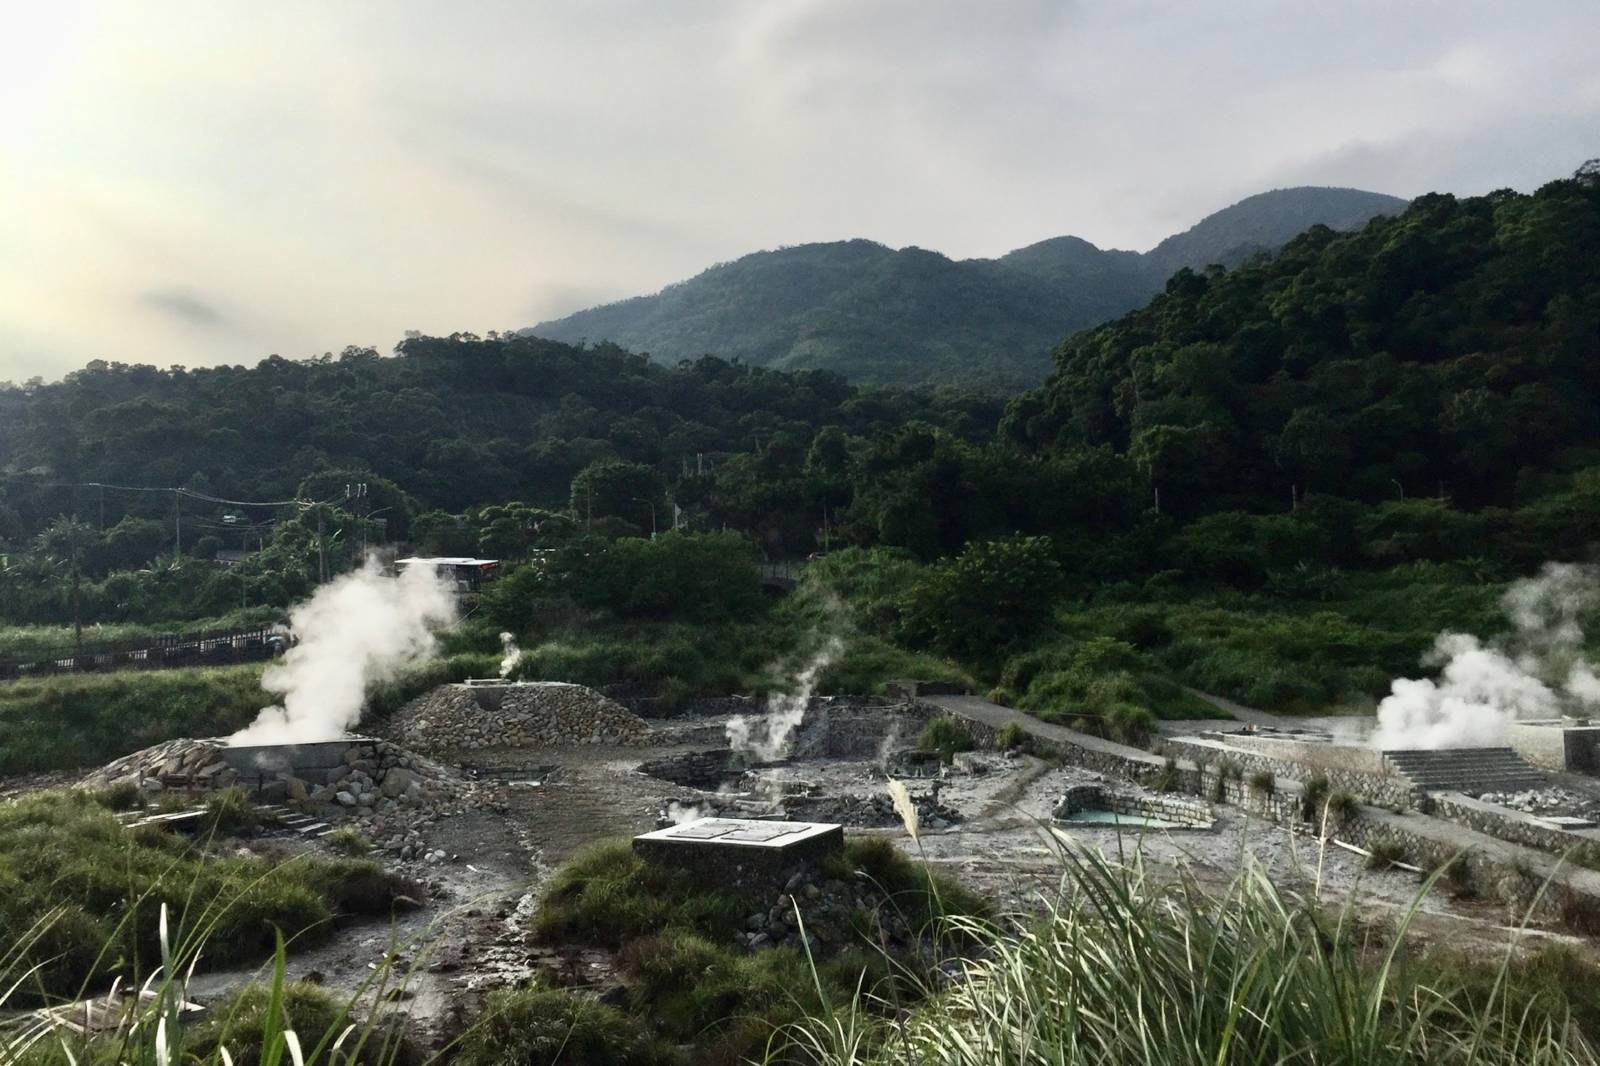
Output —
(915, 317)
(1276, 482)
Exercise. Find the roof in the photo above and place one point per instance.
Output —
(445, 560)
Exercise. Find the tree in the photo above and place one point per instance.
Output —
(64, 543)
(992, 595)
(618, 488)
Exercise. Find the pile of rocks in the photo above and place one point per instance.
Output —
(186, 762)
(521, 715)
(376, 781)
(1545, 801)
(872, 811)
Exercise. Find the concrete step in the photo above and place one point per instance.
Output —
(1466, 770)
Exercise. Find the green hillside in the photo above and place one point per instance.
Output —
(915, 317)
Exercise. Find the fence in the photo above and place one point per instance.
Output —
(205, 648)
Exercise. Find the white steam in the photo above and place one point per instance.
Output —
(511, 654)
(1537, 672)
(354, 631)
(767, 738)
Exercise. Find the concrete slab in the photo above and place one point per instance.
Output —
(742, 853)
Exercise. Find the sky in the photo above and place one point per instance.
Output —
(213, 182)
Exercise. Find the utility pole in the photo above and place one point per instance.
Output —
(650, 504)
(177, 522)
(322, 555)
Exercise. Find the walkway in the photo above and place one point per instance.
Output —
(997, 717)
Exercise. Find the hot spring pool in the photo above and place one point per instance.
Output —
(1136, 821)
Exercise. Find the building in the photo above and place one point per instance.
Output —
(468, 574)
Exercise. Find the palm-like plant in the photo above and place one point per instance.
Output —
(62, 545)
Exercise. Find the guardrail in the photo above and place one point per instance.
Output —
(206, 648)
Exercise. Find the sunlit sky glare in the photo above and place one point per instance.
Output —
(212, 182)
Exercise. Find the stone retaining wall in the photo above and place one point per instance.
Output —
(1384, 790)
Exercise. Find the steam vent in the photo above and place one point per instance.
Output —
(739, 852)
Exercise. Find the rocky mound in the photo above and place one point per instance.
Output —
(527, 714)
(372, 774)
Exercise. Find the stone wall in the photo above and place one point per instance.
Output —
(1322, 754)
(1514, 826)
(1388, 790)
(531, 714)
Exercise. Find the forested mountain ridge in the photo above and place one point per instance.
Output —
(1450, 351)
(916, 317)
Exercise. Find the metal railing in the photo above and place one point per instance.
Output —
(203, 648)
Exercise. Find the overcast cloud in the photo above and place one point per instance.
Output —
(213, 182)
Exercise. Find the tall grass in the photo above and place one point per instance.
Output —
(1129, 969)
(69, 721)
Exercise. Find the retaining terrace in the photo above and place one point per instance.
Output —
(1505, 855)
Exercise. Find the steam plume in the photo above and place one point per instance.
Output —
(356, 630)
(767, 738)
(1536, 672)
(512, 656)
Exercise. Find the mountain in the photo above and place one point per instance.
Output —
(1450, 352)
(914, 317)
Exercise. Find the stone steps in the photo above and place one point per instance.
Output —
(1473, 770)
(303, 824)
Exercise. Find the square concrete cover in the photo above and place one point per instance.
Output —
(738, 832)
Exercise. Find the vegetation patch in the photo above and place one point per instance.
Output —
(95, 889)
(689, 974)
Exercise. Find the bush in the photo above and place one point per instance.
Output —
(1263, 783)
(230, 811)
(1012, 737)
(549, 1027)
(349, 841)
(606, 895)
(1384, 854)
(946, 736)
(992, 595)
(308, 1010)
(1312, 795)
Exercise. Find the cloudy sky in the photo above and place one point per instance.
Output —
(216, 181)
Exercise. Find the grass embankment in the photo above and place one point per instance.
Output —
(95, 891)
(77, 720)
(686, 978)
(81, 720)
(1129, 971)
(21, 642)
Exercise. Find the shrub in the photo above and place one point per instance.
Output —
(348, 840)
(1341, 807)
(606, 895)
(1312, 795)
(1383, 854)
(1012, 737)
(946, 736)
(1263, 783)
(549, 1027)
(230, 811)
(308, 1010)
